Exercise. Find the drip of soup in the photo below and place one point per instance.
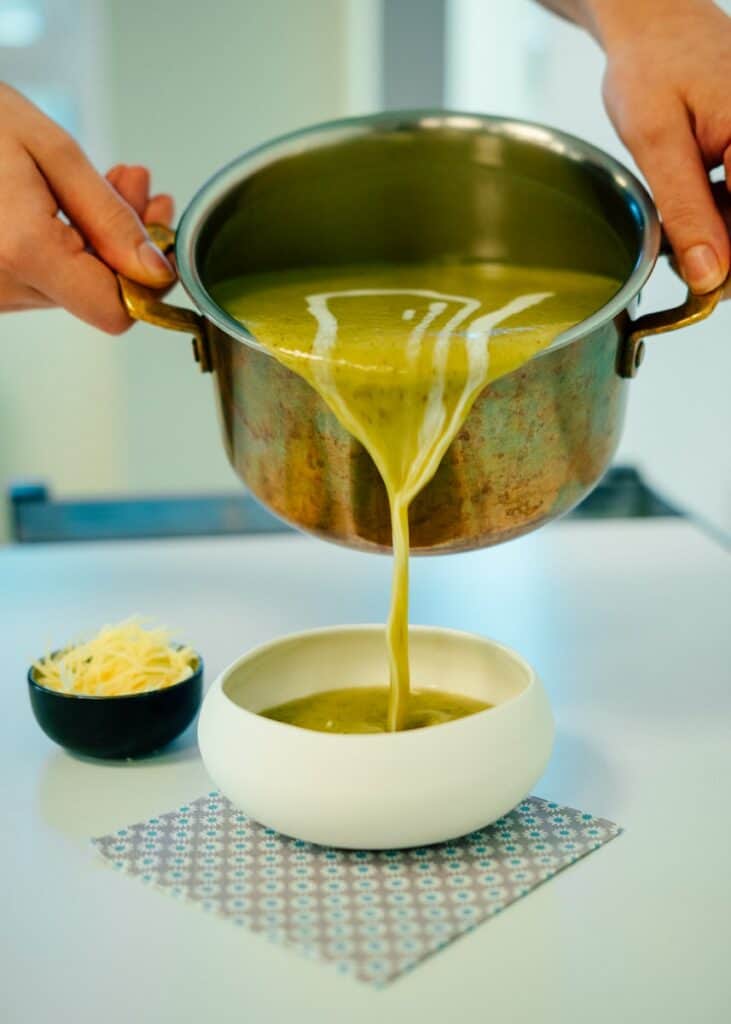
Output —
(364, 709)
(400, 352)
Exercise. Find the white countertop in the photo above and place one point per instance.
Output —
(628, 623)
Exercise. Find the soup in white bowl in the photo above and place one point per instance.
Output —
(378, 790)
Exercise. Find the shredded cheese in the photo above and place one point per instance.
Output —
(120, 660)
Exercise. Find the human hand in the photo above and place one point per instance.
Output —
(49, 261)
(666, 91)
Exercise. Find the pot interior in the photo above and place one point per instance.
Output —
(419, 189)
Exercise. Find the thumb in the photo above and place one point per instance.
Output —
(669, 157)
(105, 220)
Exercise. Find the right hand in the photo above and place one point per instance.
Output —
(48, 261)
(666, 91)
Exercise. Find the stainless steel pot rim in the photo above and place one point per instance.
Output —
(332, 132)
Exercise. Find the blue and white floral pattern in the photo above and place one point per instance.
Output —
(375, 914)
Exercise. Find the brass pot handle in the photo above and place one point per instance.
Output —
(694, 309)
(143, 303)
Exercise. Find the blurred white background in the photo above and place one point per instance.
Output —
(185, 87)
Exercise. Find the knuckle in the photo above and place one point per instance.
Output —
(682, 210)
(644, 133)
(114, 320)
(17, 248)
(140, 171)
(65, 236)
(119, 221)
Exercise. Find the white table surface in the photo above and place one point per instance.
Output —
(628, 623)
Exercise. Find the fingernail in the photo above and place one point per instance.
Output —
(701, 268)
(154, 262)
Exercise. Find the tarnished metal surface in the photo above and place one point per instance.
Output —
(533, 445)
(417, 187)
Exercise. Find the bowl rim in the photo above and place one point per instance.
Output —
(34, 684)
(414, 735)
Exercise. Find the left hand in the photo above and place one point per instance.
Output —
(133, 185)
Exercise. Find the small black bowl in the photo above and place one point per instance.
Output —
(131, 725)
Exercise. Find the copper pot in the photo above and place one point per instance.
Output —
(417, 186)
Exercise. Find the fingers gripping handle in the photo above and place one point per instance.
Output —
(143, 303)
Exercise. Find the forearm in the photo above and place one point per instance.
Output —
(610, 22)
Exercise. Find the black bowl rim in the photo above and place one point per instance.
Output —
(197, 673)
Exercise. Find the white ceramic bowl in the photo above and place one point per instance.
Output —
(380, 790)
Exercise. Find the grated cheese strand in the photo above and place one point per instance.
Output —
(121, 659)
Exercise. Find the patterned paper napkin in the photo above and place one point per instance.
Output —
(373, 914)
